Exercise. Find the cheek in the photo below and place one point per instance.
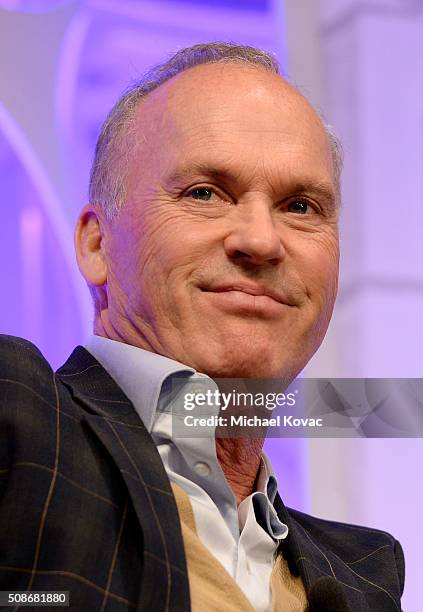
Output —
(175, 244)
(150, 255)
(318, 268)
(326, 280)
(139, 238)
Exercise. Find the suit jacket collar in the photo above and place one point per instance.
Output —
(113, 419)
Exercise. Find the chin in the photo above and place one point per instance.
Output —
(243, 364)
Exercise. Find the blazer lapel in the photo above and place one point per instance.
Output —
(311, 561)
(113, 419)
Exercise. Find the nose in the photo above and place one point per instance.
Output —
(254, 237)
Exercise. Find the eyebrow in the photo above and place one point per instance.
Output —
(320, 189)
(197, 168)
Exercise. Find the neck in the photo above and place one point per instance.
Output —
(239, 457)
(240, 461)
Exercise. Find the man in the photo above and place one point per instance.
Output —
(210, 247)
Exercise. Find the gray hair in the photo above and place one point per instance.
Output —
(108, 175)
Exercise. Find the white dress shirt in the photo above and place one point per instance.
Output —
(244, 538)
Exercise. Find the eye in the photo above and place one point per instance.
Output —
(300, 207)
(201, 193)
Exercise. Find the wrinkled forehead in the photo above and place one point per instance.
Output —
(234, 105)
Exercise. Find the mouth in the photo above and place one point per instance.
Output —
(248, 298)
(249, 288)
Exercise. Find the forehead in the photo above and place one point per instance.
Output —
(239, 112)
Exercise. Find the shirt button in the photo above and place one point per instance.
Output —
(202, 468)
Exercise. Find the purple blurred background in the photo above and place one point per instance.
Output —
(63, 64)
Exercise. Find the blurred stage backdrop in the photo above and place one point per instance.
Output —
(62, 66)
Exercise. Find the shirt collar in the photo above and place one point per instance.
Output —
(263, 499)
(139, 373)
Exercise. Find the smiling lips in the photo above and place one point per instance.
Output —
(239, 294)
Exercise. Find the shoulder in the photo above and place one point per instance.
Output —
(19, 356)
(28, 395)
(360, 548)
(332, 531)
(25, 373)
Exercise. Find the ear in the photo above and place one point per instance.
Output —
(88, 246)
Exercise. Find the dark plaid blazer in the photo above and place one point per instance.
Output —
(86, 505)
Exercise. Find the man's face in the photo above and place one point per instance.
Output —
(225, 254)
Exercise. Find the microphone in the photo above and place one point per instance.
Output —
(327, 595)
